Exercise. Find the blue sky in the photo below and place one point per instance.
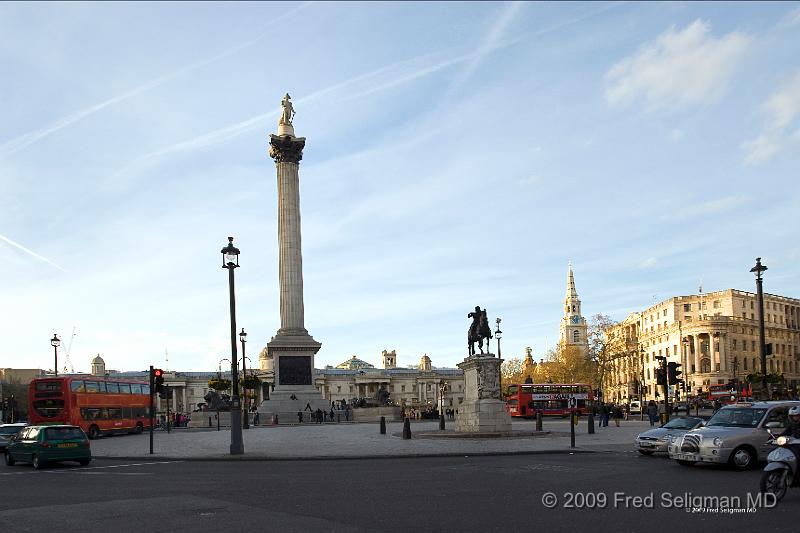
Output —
(456, 155)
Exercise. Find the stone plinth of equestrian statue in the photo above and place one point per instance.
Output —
(483, 409)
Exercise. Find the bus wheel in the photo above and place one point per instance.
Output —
(139, 428)
(94, 432)
(9, 460)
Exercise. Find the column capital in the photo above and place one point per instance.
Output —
(286, 148)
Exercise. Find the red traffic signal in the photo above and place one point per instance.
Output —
(158, 379)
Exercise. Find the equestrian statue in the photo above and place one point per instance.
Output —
(478, 331)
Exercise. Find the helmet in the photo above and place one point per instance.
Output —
(794, 411)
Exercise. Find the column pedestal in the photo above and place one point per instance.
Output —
(482, 409)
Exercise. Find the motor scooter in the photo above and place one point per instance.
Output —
(781, 470)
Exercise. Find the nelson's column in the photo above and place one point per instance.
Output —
(292, 349)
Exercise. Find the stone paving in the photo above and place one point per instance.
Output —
(337, 441)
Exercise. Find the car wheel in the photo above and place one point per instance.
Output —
(84, 462)
(742, 458)
(37, 464)
(94, 432)
(9, 460)
(684, 462)
(646, 452)
(774, 482)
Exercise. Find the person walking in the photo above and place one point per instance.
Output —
(617, 413)
(299, 417)
(652, 412)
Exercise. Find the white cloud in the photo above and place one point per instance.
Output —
(679, 68)
(710, 207)
(780, 110)
(650, 262)
(792, 18)
(676, 135)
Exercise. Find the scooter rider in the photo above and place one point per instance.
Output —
(793, 428)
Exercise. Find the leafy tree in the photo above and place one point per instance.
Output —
(219, 384)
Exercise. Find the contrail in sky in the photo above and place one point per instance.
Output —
(23, 141)
(30, 252)
(490, 44)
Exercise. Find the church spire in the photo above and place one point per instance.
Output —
(571, 292)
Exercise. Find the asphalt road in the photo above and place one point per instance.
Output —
(500, 493)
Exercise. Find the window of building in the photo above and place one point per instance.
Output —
(744, 314)
(745, 363)
(402, 388)
(716, 304)
(733, 344)
(575, 336)
(687, 307)
(752, 316)
(687, 318)
(751, 304)
(705, 366)
(666, 352)
(753, 346)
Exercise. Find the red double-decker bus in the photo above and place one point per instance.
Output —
(552, 399)
(97, 404)
(728, 394)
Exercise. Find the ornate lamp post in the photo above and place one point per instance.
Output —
(243, 339)
(55, 342)
(230, 260)
(758, 269)
(442, 390)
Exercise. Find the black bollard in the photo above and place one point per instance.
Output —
(591, 423)
(406, 428)
(338, 417)
(217, 420)
(538, 420)
(209, 421)
(441, 422)
(571, 431)
(383, 425)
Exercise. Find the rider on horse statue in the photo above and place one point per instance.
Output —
(478, 330)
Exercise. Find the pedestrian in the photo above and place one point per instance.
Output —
(617, 413)
(331, 414)
(627, 411)
(319, 415)
(652, 412)
(299, 417)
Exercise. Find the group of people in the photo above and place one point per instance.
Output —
(320, 416)
(607, 411)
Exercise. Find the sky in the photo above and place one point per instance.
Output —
(457, 154)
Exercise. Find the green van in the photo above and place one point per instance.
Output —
(40, 445)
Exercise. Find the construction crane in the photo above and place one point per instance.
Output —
(67, 360)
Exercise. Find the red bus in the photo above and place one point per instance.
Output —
(549, 398)
(97, 404)
(724, 392)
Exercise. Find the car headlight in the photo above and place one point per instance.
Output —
(781, 441)
(717, 442)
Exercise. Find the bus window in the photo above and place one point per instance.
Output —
(145, 389)
(92, 386)
(136, 388)
(48, 385)
(90, 413)
(114, 413)
(512, 390)
(125, 388)
(78, 386)
(112, 387)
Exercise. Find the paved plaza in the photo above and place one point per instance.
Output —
(318, 441)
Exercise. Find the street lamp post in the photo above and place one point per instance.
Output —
(642, 385)
(758, 269)
(55, 342)
(498, 334)
(243, 339)
(230, 260)
(442, 389)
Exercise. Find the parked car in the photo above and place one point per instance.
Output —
(7, 430)
(682, 407)
(40, 445)
(656, 440)
(736, 435)
(635, 407)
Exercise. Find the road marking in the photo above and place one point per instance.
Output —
(83, 469)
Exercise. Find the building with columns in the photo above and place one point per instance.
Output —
(573, 329)
(713, 336)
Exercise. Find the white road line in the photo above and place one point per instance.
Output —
(83, 469)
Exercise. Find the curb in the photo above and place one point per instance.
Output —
(338, 458)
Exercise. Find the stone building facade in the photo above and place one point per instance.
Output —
(713, 336)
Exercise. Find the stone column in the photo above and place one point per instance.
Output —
(698, 355)
(723, 363)
(287, 151)
(185, 405)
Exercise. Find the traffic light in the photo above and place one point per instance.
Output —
(661, 376)
(673, 374)
(158, 380)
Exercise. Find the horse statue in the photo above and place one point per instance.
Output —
(478, 331)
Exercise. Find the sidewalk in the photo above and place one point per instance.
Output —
(334, 441)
